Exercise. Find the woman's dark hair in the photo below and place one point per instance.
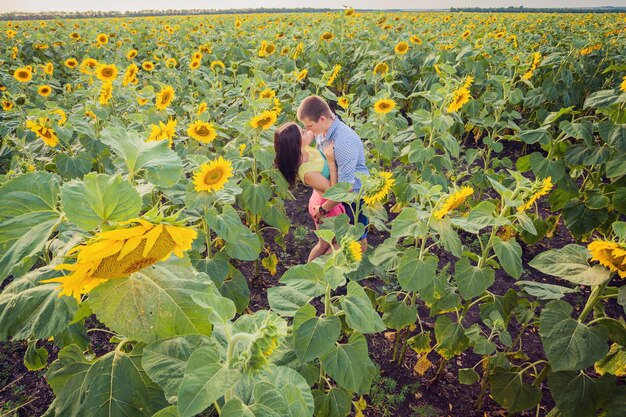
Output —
(288, 144)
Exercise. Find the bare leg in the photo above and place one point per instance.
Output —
(318, 250)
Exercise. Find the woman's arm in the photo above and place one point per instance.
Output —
(316, 180)
(329, 152)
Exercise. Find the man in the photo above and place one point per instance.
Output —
(317, 117)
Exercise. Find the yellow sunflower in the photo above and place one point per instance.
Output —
(102, 39)
(267, 93)
(23, 75)
(622, 86)
(148, 65)
(453, 201)
(377, 187)
(381, 69)
(88, 66)
(48, 68)
(202, 131)
(351, 249)
(130, 76)
(384, 106)
(349, 12)
(201, 108)
(106, 72)
(75, 36)
(194, 65)
(213, 175)
(302, 74)
(610, 254)
(163, 131)
(165, 97)
(131, 54)
(459, 98)
(401, 48)
(120, 252)
(171, 62)
(62, 116)
(106, 92)
(544, 188)
(44, 90)
(333, 75)
(7, 105)
(43, 130)
(71, 63)
(343, 102)
(264, 120)
(415, 40)
(327, 36)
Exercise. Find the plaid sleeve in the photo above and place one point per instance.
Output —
(346, 155)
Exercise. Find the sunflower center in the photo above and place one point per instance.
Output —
(165, 97)
(139, 264)
(203, 131)
(22, 74)
(265, 121)
(384, 106)
(107, 72)
(213, 176)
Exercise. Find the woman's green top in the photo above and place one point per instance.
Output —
(317, 162)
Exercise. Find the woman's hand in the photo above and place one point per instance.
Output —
(329, 152)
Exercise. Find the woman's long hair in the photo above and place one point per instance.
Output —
(288, 144)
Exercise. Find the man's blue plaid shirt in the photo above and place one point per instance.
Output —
(349, 152)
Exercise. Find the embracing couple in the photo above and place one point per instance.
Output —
(338, 156)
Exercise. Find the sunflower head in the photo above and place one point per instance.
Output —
(264, 120)
(343, 102)
(41, 127)
(164, 97)
(102, 39)
(131, 54)
(213, 175)
(377, 187)
(459, 98)
(202, 131)
(44, 90)
(71, 63)
(302, 74)
(351, 249)
(106, 72)
(401, 48)
(610, 254)
(381, 69)
(453, 201)
(384, 106)
(119, 252)
(23, 75)
(147, 65)
(327, 36)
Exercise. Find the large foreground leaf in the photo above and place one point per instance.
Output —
(154, 303)
(509, 390)
(28, 216)
(570, 263)
(350, 365)
(113, 385)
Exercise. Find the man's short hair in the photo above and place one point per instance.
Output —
(312, 108)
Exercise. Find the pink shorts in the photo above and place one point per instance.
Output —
(316, 199)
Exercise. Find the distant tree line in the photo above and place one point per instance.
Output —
(149, 12)
(522, 9)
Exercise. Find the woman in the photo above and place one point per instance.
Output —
(295, 158)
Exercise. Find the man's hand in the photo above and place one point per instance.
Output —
(316, 213)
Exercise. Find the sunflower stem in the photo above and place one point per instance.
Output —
(592, 300)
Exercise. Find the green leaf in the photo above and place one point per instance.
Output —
(509, 255)
(110, 386)
(578, 395)
(293, 389)
(27, 218)
(170, 411)
(254, 197)
(580, 220)
(472, 280)
(545, 291)
(154, 303)
(286, 300)
(450, 337)
(544, 168)
(73, 166)
(360, 314)
(398, 315)
(341, 192)
(540, 135)
(315, 335)
(509, 390)
(274, 215)
(308, 278)
(99, 198)
(334, 403)
(614, 362)
(241, 243)
(569, 344)
(617, 403)
(165, 361)
(415, 274)
(468, 376)
(570, 263)
(617, 137)
(616, 166)
(35, 358)
(408, 224)
(162, 166)
(448, 237)
(601, 99)
(586, 156)
(206, 380)
(35, 313)
(350, 366)
(236, 288)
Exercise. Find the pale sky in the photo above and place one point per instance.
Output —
(132, 5)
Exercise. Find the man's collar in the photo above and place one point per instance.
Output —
(332, 127)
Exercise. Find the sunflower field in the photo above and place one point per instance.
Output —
(139, 202)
